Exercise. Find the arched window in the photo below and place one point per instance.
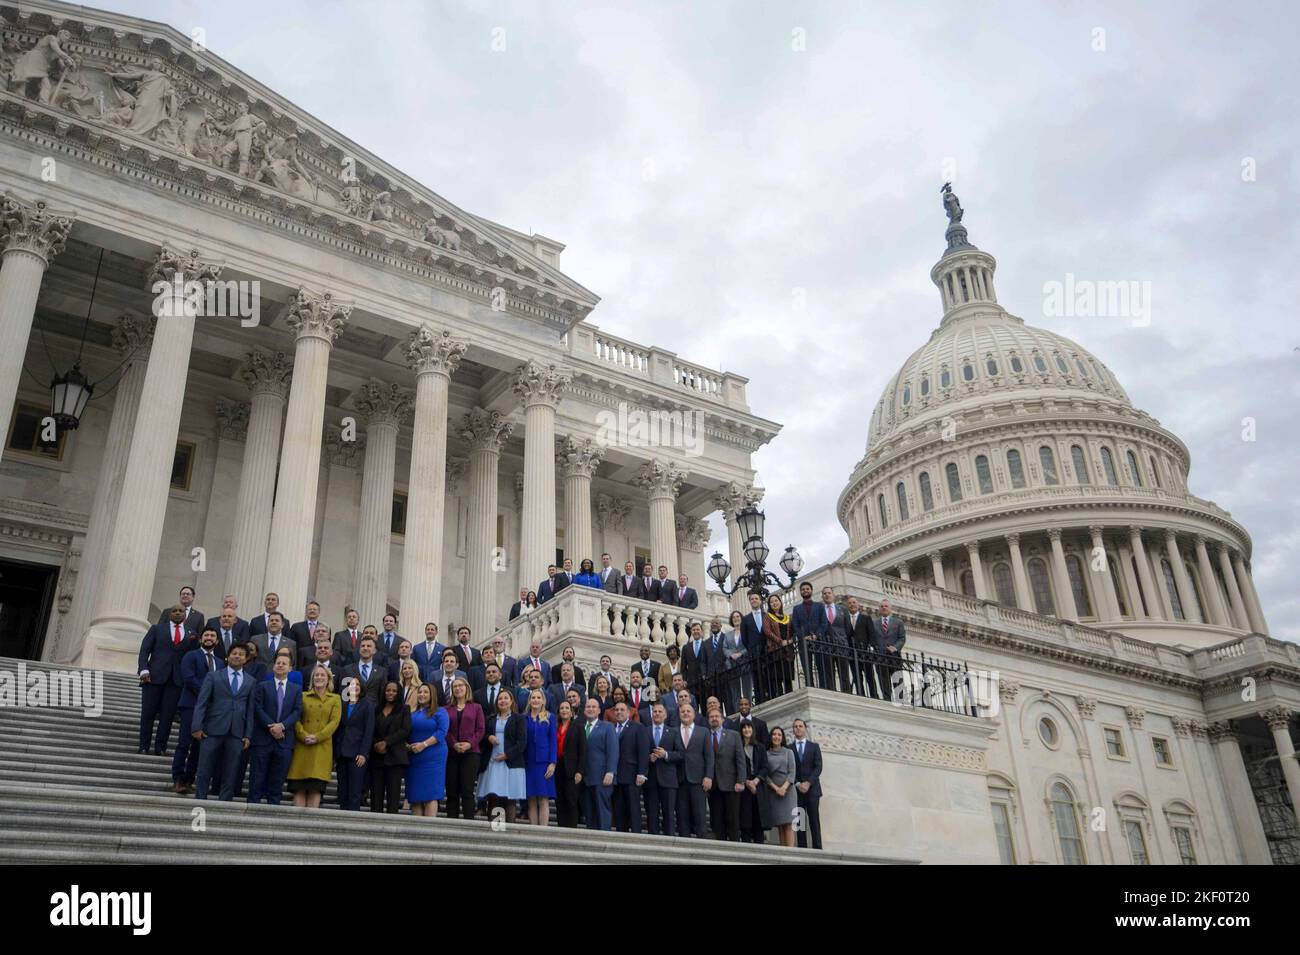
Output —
(1015, 468)
(1155, 471)
(1172, 589)
(1080, 465)
(1048, 461)
(1074, 569)
(1040, 364)
(1120, 593)
(992, 367)
(1133, 468)
(902, 501)
(1041, 586)
(907, 394)
(1083, 370)
(983, 474)
(884, 517)
(1016, 364)
(925, 385)
(968, 372)
(954, 482)
(1060, 364)
(1108, 466)
(1196, 591)
(968, 583)
(927, 496)
(945, 378)
(1066, 818)
(1004, 585)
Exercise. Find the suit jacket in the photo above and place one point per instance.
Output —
(591, 682)
(238, 633)
(161, 657)
(481, 696)
(690, 601)
(644, 712)
(395, 670)
(733, 641)
(647, 591)
(647, 678)
(572, 758)
(336, 668)
(356, 733)
(372, 689)
(562, 579)
(257, 624)
(674, 719)
(443, 698)
(753, 634)
(467, 657)
(618, 584)
(516, 609)
(524, 662)
(717, 658)
(760, 728)
(808, 619)
(895, 637)
(515, 744)
(808, 769)
(302, 633)
(838, 632)
(559, 692)
(465, 726)
(193, 622)
(194, 670)
(509, 670)
(729, 761)
(663, 587)
(265, 704)
(557, 676)
(263, 643)
(600, 755)
(218, 712)
(607, 580)
(545, 591)
(864, 634)
(382, 649)
(697, 757)
(665, 772)
(633, 752)
(394, 730)
(343, 645)
(420, 654)
(695, 666)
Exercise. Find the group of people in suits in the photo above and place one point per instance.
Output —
(629, 582)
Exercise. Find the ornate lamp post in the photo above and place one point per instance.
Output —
(757, 577)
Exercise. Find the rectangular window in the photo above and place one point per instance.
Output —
(1164, 757)
(27, 433)
(1002, 827)
(1114, 742)
(1183, 840)
(1137, 844)
(398, 525)
(183, 466)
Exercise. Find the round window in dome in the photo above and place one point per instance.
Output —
(1048, 733)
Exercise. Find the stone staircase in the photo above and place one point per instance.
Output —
(73, 789)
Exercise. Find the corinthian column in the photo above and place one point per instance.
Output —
(266, 376)
(662, 482)
(30, 235)
(1018, 576)
(1186, 595)
(434, 356)
(1254, 610)
(484, 432)
(1155, 608)
(1109, 611)
(1210, 584)
(1065, 609)
(1279, 723)
(131, 338)
(384, 407)
(578, 460)
(730, 500)
(122, 607)
(936, 568)
(538, 387)
(977, 569)
(1240, 618)
(317, 320)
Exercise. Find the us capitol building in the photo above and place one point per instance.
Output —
(412, 421)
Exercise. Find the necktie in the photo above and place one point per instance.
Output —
(659, 734)
(619, 729)
(886, 623)
(446, 687)
(588, 728)
(716, 736)
(311, 626)
(279, 700)
(176, 637)
(212, 664)
(365, 672)
(636, 699)
(681, 593)
(830, 612)
(234, 682)
(801, 749)
(225, 638)
(494, 697)
(354, 638)
(686, 736)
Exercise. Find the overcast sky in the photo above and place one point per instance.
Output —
(702, 168)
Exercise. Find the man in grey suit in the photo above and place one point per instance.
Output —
(694, 772)
(223, 723)
(889, 638)
(660, 789)
(274, 638)
(729, 775)
(372, 674)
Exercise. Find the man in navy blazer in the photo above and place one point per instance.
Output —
(195, 666)
(599, 765)
(159, 666)
(534, 660)
(223, 723)
(809, 625)
(695, 768)
(352, 742)
(271, 603)
(633, 767)
(681, 595)
(193, 619)
(547, 589)
(808, 784)
(230, 630)
(427, 652)
(277, 707)
(660, 789)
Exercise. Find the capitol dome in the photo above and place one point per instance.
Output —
(1007, 463)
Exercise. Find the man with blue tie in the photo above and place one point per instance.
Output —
(269, 643)
(277, 707)
(633, 767)
(195, 666)
(223, 721)
(660, 789)
(751, 629)
(386, 645)
(695, 658)
(600, 760)
(370, 673)
(230, 628)
(159, 667)
(808, 785)
(428, 653)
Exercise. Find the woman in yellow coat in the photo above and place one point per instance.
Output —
(313, 753)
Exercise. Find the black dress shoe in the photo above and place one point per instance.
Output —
(143, 751)
(160, 752)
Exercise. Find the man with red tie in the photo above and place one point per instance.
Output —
(159, 667)
(346, 642)
(193, 620)
(638, 701)
(888, 643)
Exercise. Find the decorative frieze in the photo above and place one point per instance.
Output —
(903, 749)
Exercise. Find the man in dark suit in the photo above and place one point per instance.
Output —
(304, 631)
(835, 664)
(890, 636)
(599, 766)
(695, 657)
(751, 629)
(195, 666)
(682, 595)
(745, 716)
(663, 586)
(808, 624)
(568, 655)
(534, 660)
(486, 695)
(270, 642)
(348, 640)
(808, 785)
(403, 655)
(606, 571)
(427, 653)
(648, 668)
(230, 630)
(633, 766)
(159, 667)
(532, 681)
(352, 743)
(478, 672)
(566, 683)
(638, 698)
(258, 624)
(546, 589)
(860, 632)
(193, 620)
(518, 606)
(508, 664)
(466, 656)
(607, 671)
(326, 657)
(277, 707)
(728, 781)
(369, 673)
(223, 723)
(563, 578)
(447, 675)
(674, 700)
(387, 639)
(696, 766)
(660, 789)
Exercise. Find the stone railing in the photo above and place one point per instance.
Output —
(1249, 651)
(707, 383)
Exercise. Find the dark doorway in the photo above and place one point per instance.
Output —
(26, 596)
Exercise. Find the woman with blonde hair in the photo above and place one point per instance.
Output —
(409, 683)
(539, 759)
(313, 749)
(426, 775)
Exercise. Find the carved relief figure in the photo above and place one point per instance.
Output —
(381, 208)
(242, 132)
(439, 236)
(33, 70)
(280, 167)
(155, 96)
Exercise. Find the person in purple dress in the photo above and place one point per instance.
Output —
(539, 759)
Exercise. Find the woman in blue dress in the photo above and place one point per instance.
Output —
(539, 759)
(587, 576)
(426, 776)
(502, 782)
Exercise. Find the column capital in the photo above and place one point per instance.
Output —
(1199, 729)
(132, 333)
(1054, 534)
(266, 373)
(1182, 727)
(455, 471)
(485, 430)
(972, 547)
(538, 384)
(1171, 537)
(578, 457)
(733, 496)
(232, 419)
(1008, 690)
(316, 316)
(33, 227)
(340, 453)
(1135, 716)
(935, 556)
(611, 511)
(901, 568)
(432, 350)
(1134, 532)
(1087, 706)
(660, 479)
(383, 403)
(1199, 541)
(1220, 732)
(693, 533)
(1095, 531)
(1012, 539)
(1277, 717)
(172, 266)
